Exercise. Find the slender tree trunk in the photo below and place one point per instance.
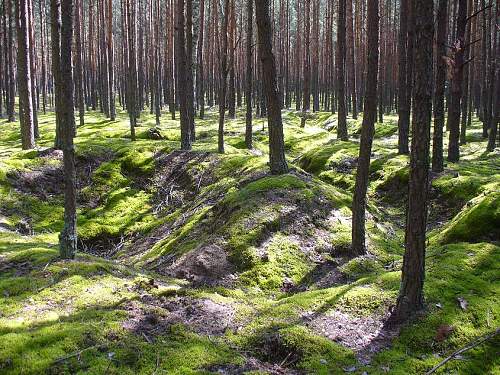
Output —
(277, 159)
(78, 62)
(68, 236)
(350, 59)
(341, 57)
(437, 140)
(24, 75)
(200, 80)
(367, 131)
(249, 79)
(492, 137)
(189, 73)
(306, 104)
(411, 298)
(457, 83)
(223, 78)
(132, 104)
(111, 61)
(10, 65)
(403, 110)
(182, 79)
(55, 27)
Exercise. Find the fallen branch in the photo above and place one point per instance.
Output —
(472, 345)
(76, 354)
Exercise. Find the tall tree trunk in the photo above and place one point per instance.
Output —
(68, 236)
(341, 57)
(223, 78)
(403, 110)
(307, 66)
(24, 75)
(132, 105)
(10, 65)
(78, 62)
(248, 88)
(109, 16)
(189, 72)
(411, 298)
(367, 131)
(350, 59)
(200, 89)
(277, 159)
(492, 138)
(441, 37)
(457, 83)
(55, 30)
(182, 79)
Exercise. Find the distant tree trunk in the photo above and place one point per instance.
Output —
(182, 79)
(78, 62)
(411, 298)
(350, 59)
(68, 236)
(457, 83)
(24, 76)
(55, 30)
(441, 37)
(132, 105)
(200, 84)
(249, 79)
(307, 66)
(231, 103)
(109, 46)
(223, 78)
(367, 130)
(189, 69)
(403, 110)
(10, 66)
(277, 159)
(31, 51)
(341, 57)
(492, 139)
(467, 72)
(43, 26)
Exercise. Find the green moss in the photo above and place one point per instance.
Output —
(283, 260)
(361, 266)
(479, 220)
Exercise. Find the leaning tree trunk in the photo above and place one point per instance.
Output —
(341, 57)
(68, 236)
(249, 87)
(437, 140)
(411, 297)
(367, 131)
(24, 76)
(277, 159)
(457, 70)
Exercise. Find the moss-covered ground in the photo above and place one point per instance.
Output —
(204, 263)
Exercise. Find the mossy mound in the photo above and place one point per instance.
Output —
(478, 221)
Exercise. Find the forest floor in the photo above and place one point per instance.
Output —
(194, 262)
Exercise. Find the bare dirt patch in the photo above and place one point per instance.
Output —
(154, 316)
(365, 335)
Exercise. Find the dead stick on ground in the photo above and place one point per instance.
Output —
(75, 354)
(472, 345)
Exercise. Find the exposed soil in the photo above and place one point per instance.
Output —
(365, 335)
(46, 180)
(155, 316)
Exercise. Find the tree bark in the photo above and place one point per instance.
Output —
(223, 78)
(456, 84)
(341, 57)
(403, 110)
(24, 75)
(248, 75)
(182, 79)
(367, 131)
(277, 159)
(68, 236)
(441, 37)
(411, 298)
